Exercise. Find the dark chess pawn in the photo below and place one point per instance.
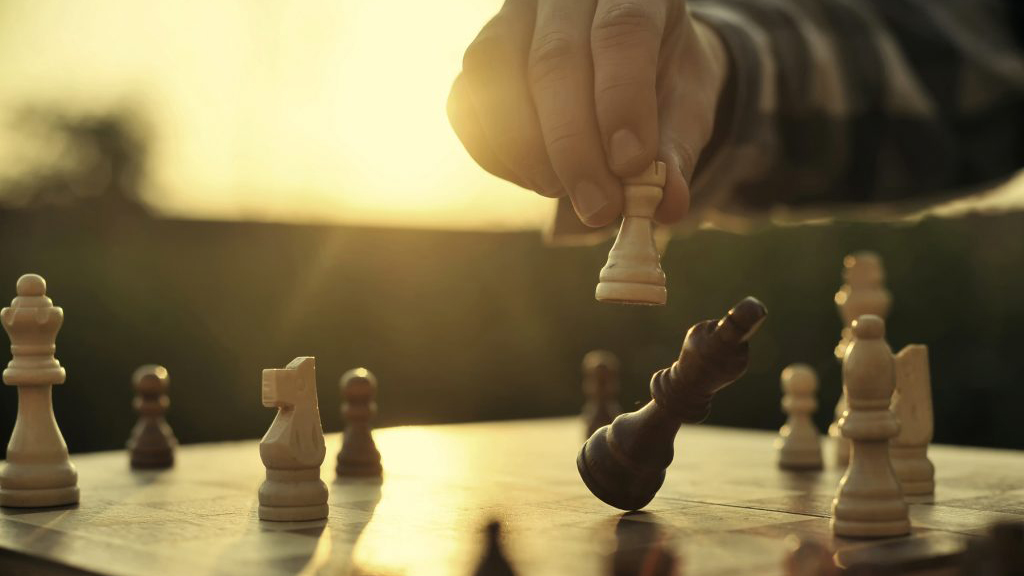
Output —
(359, 456)
(600, 388)
(494, 562)
(152, 441)
(624, 463)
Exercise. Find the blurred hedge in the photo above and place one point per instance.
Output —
(472, 326)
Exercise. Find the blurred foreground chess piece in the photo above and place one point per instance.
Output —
(863, 292)
(1000, 552)
(808, 558)
(293, 448)
(642, 547)
(494, 562)
(633, 273)
(912, 406)
(152, 443)
(38, 471)
(624, 463)
(359, 456)
(869, 502)
(600, 388)
(798, 443)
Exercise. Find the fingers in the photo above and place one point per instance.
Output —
(561, 82)
(494, 70)
(625, 41)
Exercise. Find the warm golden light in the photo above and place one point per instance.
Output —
(318, 110)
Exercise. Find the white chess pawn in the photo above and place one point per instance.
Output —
(633, 273)
(798, 443)
(869, 502)
(293, 448)
(912, 406)
(863, 292)
(38, 471)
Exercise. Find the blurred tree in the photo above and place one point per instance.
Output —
(95, 161)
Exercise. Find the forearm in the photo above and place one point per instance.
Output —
(859, 101)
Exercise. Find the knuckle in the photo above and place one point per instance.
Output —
(551, 56)
(624, 23)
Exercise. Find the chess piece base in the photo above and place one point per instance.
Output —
(293, 513)
(597, 460)
(41, 498)
(631, 293)
(858, 529)
(359, 469)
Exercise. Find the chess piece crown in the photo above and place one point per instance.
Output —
(32, 322)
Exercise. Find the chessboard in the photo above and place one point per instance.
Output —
(725, 509)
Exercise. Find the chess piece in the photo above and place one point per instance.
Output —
(494, 562)
(38, 472)
(624, 463)
(293, 448)
(152, 443)
(601, 388)
(863, 292)
(912, 406)
(359, 455)
(808, 558)
(798, 445)
(869, 502)
(633, 273)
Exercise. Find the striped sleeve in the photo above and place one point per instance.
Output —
(853, 102)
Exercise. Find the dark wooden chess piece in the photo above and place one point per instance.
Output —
(359, 456)
(624, 463)
(152, 442)
(494, 562)
(601, 389)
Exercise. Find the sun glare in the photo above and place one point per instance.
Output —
(319, 110)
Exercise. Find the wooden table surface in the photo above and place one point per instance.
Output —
(725, 508)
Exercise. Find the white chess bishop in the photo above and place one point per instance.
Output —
(38, 471)
(633, 273)
(293, 448)
(869, 501)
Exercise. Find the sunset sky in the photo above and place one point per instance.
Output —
(321, 110)
(318, 110)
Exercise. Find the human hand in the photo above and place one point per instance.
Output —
(569, 96)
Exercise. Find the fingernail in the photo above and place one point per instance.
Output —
(589, 200)
(624, 147)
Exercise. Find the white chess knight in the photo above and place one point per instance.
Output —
(633, 273)
(798, 443)
(293, 448)
(912, 406)
(38, 471)
(869, 501)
